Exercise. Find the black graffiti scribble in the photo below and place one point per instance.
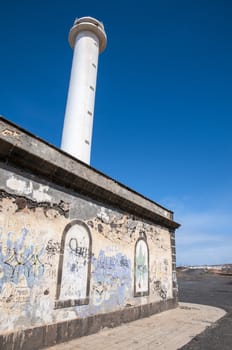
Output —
(124, 261)
(82, 252)
(109, 262)
(52, 247)
(30, 266)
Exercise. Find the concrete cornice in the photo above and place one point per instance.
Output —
(21, 148)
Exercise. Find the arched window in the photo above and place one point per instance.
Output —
(141, 268)
(74, 266)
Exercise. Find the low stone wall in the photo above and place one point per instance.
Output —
(78, 251)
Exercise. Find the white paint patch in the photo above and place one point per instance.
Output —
(41, 195)
(103, 216)
(75, 264)
(19, 186)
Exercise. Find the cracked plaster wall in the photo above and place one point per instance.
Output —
(33, 217)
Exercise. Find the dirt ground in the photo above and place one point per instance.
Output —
(208, 288)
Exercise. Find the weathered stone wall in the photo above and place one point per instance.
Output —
(64, 256)
(78, 251)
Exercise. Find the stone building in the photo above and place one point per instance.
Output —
(78, 250)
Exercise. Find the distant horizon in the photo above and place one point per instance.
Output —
(204, 265)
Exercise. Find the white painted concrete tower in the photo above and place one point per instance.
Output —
(88, 38)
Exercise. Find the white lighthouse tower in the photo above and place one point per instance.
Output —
(88, 38)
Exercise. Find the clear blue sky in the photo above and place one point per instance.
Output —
(162, 122)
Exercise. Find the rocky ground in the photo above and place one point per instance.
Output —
(209, 287)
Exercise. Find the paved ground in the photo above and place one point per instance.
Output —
(165, 331)
(198, 287)
(190, 327)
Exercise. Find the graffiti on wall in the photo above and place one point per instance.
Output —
(74, 265)
(51, 256)
(19, 259)
(160, 278)
(111, 278)
(141, 268)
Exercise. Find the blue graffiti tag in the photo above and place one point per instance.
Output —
(112, 273)
(18, 259)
